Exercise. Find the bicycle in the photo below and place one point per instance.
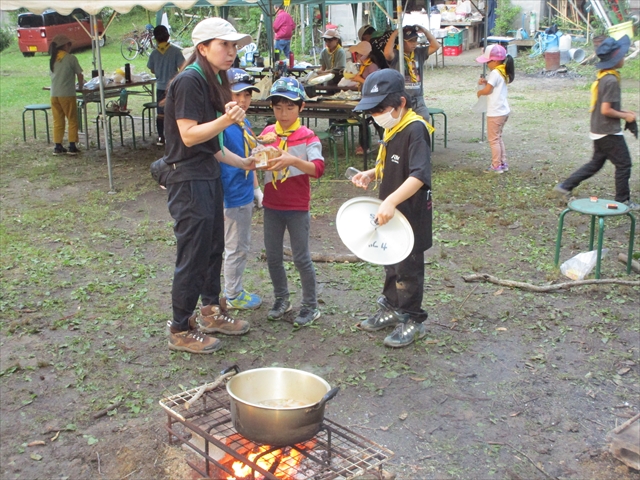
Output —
(138, 44)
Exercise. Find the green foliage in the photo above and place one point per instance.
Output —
(506, 13)
(6, 38)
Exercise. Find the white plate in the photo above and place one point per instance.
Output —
(320, 79)
(383, 245)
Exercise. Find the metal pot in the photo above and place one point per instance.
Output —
(278, 406)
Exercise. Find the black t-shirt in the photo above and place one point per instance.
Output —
(420, 55)
(188, 98)
(409, 155)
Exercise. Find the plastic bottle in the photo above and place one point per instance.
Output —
(276, 55)
(352, 172)
(532, 24)
(127, 72)
(291, 62)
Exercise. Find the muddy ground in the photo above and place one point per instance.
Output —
(508, 384)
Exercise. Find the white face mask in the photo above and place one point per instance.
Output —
(387, 120)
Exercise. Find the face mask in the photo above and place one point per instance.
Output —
(386, 120)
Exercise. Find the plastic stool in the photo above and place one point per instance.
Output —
(597, 209)
(332, 144)
(119, 115)
(348, 126)
(148, 108)
(33, 108)
(432, 113)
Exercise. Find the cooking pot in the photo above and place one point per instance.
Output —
(278, 406)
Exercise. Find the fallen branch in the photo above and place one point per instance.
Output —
(208, 387)
(547, 288)
(322, 257)
(524, 455)
(635, 266)
(104, 411)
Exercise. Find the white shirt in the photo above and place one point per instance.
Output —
(497, 104)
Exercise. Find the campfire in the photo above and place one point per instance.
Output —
(271, 459)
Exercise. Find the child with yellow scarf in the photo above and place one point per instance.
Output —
(403, 177)
(333, 58)
(501, 73)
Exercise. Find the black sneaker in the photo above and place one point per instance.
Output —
(59, 150)
(385, 317)
(160, 142)
(72, 150)
(280, 307)
(405, 334)
(306, 316)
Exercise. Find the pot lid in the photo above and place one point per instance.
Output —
(383, 245)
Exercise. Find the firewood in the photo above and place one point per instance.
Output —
(635, 266)
(323, 257)
(547, 288)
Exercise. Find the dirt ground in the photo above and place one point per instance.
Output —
(508, 384)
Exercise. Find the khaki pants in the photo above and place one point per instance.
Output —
(64, 107)
(495, 126)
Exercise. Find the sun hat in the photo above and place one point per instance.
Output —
(492, 52)
(61, 40)
(363, 48)
(377, 86)
(241, 81)
(219, 28)
(365, 30)
(287, 87)
(611, 51)
(331, 33)
(409, 32)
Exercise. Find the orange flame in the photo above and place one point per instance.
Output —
(287, 468)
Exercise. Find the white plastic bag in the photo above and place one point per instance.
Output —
(264, 85)
(578, 267)
(345, 82)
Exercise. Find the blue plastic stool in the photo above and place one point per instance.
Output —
(599, 210)
(33, 109)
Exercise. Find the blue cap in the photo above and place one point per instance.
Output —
(241, 81)
(287, 87)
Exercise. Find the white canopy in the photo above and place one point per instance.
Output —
(93, 7)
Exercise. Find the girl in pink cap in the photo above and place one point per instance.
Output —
(495, 88)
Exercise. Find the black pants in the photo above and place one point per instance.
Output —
(197, 208)
(611, 147)
(404, 286)
(160, 94)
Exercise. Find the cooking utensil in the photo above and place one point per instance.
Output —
(278, 406)
(380, 244)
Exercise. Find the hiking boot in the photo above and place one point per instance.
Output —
(59, 150)
(405, 334)
(560, 190)
(244, 301)
(192, 341)
(280, 307)
(306, 316)
(385, 317)
(72, 150)
(632, 205)
(213, 318)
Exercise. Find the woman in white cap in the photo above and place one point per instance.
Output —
(198, 108)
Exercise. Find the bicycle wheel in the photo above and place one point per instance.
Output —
(129, 48)
(147, 47)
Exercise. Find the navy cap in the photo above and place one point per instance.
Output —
(287, 87)
(241, 81)
(377, 86)
(409, 32)
(611, 51)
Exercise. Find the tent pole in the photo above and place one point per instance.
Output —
(484, 65)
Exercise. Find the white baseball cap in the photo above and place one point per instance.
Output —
(219, 28)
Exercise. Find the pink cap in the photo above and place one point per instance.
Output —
(492, 52)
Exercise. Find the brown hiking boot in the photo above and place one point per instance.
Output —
(214, 318)
(192, 340)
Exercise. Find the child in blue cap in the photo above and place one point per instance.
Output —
(287, 197)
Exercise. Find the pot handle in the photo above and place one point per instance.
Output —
(228, 369)
(328, 396)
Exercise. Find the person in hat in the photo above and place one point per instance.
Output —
(332, 58)
(164, 62)
(501, 73)
(283, 28)
(403, 176)
(606, 132)
(64, 104)
(414, 58)
(378, 41)
(198, 109)
(241, 189)
(287, 197)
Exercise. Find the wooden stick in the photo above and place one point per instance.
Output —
(547, 288)
(208, 387)
(635, 266)
(564, 17)
(104, 411)
(626, 424)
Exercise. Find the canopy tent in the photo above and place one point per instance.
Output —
(94, 7)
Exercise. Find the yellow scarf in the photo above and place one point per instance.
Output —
(409, 117)
(284, 137)
(333, 56)
(162, 47)
(364, 65)
(502, 70)
(408, 65)
(61, 55)
(594, 85)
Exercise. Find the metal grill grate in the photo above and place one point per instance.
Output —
(335, 453)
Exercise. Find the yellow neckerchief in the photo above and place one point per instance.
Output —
(409, 117)
(163, 47)
(502, 70)
(333, 55)
(408, 65)
(364, 65)
(61, 54)
(594, 85)
(284, 137)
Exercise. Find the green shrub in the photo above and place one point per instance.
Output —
(506, 13)
(6, 37)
